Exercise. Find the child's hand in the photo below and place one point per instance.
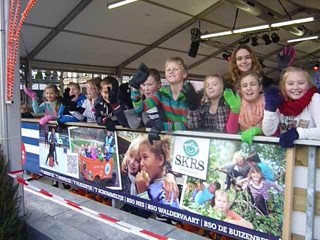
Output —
(286, 139)
(142, 181)
(170, 186)
(287, 57)
(156, 128)
(248, 134)
(30, 93)
(140, 77)
(44, 120)
(273, 98)
(113, 97)
(193, 99)
(233, 100)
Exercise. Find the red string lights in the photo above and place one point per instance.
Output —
(15, 25)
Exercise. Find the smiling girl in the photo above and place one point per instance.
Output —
(295, 110)
(246, 114)
(153, 177)
(244, 60)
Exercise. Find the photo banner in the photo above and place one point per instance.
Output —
(240, 195)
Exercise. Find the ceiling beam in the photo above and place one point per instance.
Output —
(169, 35)
(70, 16)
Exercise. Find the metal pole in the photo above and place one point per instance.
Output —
(311, 192)
(3, 49)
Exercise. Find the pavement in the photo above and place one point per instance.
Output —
(49, 220)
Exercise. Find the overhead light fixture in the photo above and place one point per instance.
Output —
(302, 39)
(244, 40)
(291, 22)
(275, 38)
(258, 28)
(218, 34)
(251, 29)
(254, 41)
(120, 3)
(316, 67)
(266, 39)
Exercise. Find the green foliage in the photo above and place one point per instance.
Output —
(12, 225)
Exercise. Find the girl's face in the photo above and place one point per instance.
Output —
(105, 92)
(243, 60)
(174, 73)
(256, 176)
(213, 88)
(150, 86)
(133, 163)
(74, 91)
(150, 162)
(91, 91)
(250, 88)
(50, 95)
(221, 203)
(296, 85)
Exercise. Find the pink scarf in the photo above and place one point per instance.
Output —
(251, 114)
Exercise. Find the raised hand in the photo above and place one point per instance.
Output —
(233, 100)
(140, 77)
(156, 128)
(286, 58)
(30, 93)
(193, 99)
(273, 98)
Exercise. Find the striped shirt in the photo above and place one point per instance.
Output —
(174, 110)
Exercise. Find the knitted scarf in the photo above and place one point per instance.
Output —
(295, 107)
(251, 114)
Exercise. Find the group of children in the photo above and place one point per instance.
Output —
(253, 105)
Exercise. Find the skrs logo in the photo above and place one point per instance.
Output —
(191, 148)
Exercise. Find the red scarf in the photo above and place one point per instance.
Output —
(295, 107)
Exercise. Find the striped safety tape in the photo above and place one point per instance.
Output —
(126, 227)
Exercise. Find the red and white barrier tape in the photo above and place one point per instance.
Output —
(126, 227)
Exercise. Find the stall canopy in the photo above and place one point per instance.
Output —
(85, 34)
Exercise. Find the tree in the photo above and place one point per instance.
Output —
(12, 224)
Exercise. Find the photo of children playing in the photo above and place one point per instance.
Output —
(97, 153)
(146, 168)
(244, 186)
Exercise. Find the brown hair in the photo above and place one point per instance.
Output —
(56, 91)
(284, 77)
(233, 68)
(155, 74)
(159, 148)
(109, 81)
(95, 82)
(73, 84)
(255, 169)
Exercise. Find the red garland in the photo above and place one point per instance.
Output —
(295, 107)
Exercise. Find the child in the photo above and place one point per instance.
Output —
(246, 114)
(213, 114)
(238, 168)
(49, 107)
(206, 193)
(75, 97)
(108, 110)
(151, 178)
(171, 98)
(25, 111)
(259, 188)
(147, 90)
(222, 205)
(294, 110)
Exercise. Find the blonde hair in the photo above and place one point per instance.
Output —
(206, 80)
(220, 193)
(305, 74)
(236, 156)
(56, 91)
(178, 61)
(132, 149)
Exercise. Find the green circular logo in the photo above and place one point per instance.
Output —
(191, 148)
